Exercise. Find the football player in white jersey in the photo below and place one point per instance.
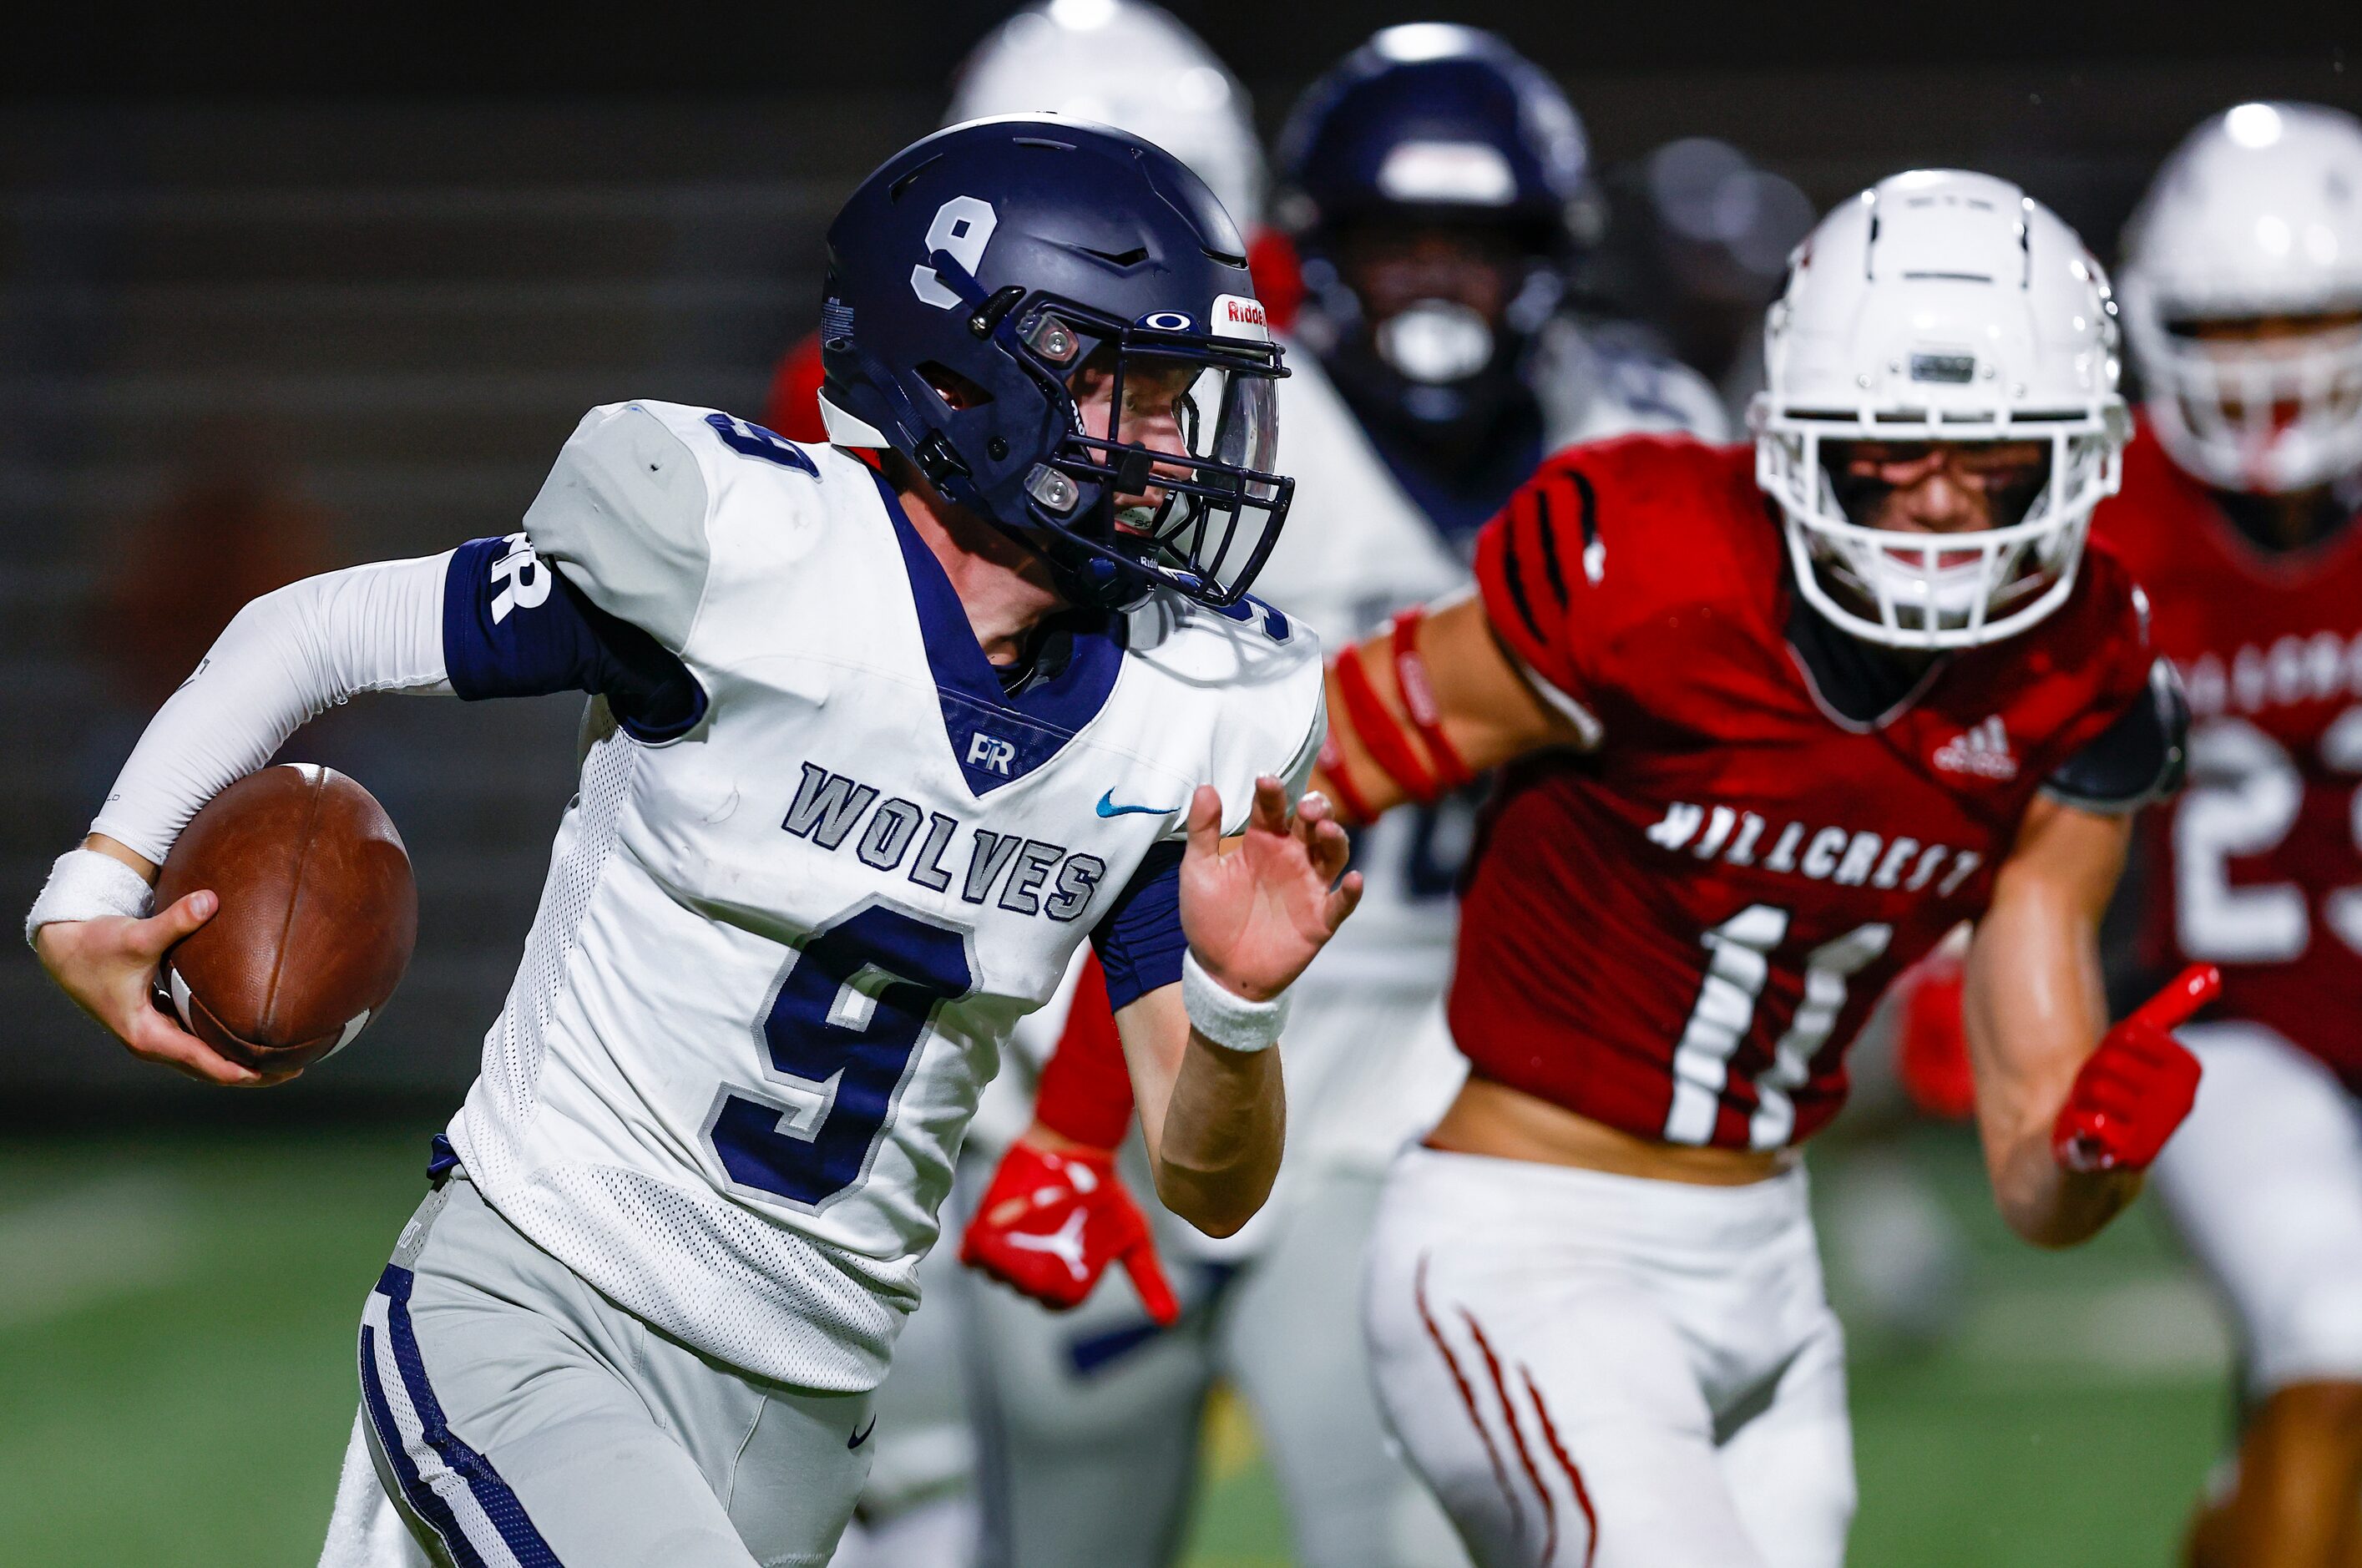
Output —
(1435, 186)
(1132, 66)
(880, 748)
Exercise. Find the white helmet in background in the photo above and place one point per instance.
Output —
(1940, 306)
(2257, 214)
(1129, 65)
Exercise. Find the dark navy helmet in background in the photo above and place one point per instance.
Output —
(1436, 125)
(1430, 116)
(977, 272)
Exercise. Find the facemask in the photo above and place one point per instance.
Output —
(1436, 342)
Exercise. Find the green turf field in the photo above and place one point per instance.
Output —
(176, 1316)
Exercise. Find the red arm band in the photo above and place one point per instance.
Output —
(1332, 768)
(1380, 733)
(1419, 700)
(1085, 1091)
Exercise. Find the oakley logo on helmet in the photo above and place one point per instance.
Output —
(1167, 321)
(962, 227)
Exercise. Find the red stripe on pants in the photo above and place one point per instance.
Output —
(1468, 1399)
(1565, 1462)
(1516, 1436)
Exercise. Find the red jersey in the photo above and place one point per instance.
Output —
(1679, 933)
(792, 407)
(2256, 868)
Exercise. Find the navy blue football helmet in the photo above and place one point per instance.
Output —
(976, 272)
(1434, 123)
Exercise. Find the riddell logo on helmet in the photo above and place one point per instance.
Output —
(1984, 751)
(1238, 315)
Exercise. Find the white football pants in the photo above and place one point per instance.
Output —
(1596, 1370)
(1088, 1421)
(514, 1418)
(2264, 1181)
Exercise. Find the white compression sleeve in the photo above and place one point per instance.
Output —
(283, 659)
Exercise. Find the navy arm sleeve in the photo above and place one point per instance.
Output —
(1140, 943)
(2137, 759)
(513, 627)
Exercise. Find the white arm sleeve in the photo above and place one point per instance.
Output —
(283, 659)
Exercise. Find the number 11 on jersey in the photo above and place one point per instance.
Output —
(1740, 966)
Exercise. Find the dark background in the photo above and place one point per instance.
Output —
(286, 288)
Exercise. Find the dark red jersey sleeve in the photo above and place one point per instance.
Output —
(1085, 1092)
(793, 406)
(1610, 536)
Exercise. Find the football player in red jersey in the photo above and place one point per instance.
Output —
(1772, 723)
(2243, 300)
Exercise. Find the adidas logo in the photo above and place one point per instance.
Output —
(1984, 751)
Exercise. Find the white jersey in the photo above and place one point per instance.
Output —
(1357, 548)
(777, 958)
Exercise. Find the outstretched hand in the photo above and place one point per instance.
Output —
(1257, 908)
(108, 967)
(2136, 1087)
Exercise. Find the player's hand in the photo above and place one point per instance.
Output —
(1257, 908)
(1052, 1221)
(108, 967)
(2135, 1088)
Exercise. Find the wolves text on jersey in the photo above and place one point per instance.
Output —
(829, 806)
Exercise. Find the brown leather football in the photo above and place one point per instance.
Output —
(318, 915)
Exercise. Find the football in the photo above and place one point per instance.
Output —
(317, 917)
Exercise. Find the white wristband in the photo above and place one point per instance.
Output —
(1226, 1018)
(86, 885)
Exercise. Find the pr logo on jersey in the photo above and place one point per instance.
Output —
(1982, 752)
(524, 580)
(989, 753)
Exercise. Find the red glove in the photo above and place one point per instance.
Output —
(1052, 1221)
(1931, 1055)
(2135, 1089)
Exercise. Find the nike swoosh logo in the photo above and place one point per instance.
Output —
(1108, 807)
(857, 1438)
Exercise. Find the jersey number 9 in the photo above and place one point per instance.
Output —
(840, 1037)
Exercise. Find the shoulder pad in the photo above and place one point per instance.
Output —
(1615, 534)
(1607, 380)
(1266, 669)
(623, 514)
(2137, 759)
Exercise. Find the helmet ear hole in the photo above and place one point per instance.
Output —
(957, 391)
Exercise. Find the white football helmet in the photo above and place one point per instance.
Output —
(1940, 306)
(2259, 213)
(1126, 65)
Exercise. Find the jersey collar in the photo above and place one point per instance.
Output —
(997, 738)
